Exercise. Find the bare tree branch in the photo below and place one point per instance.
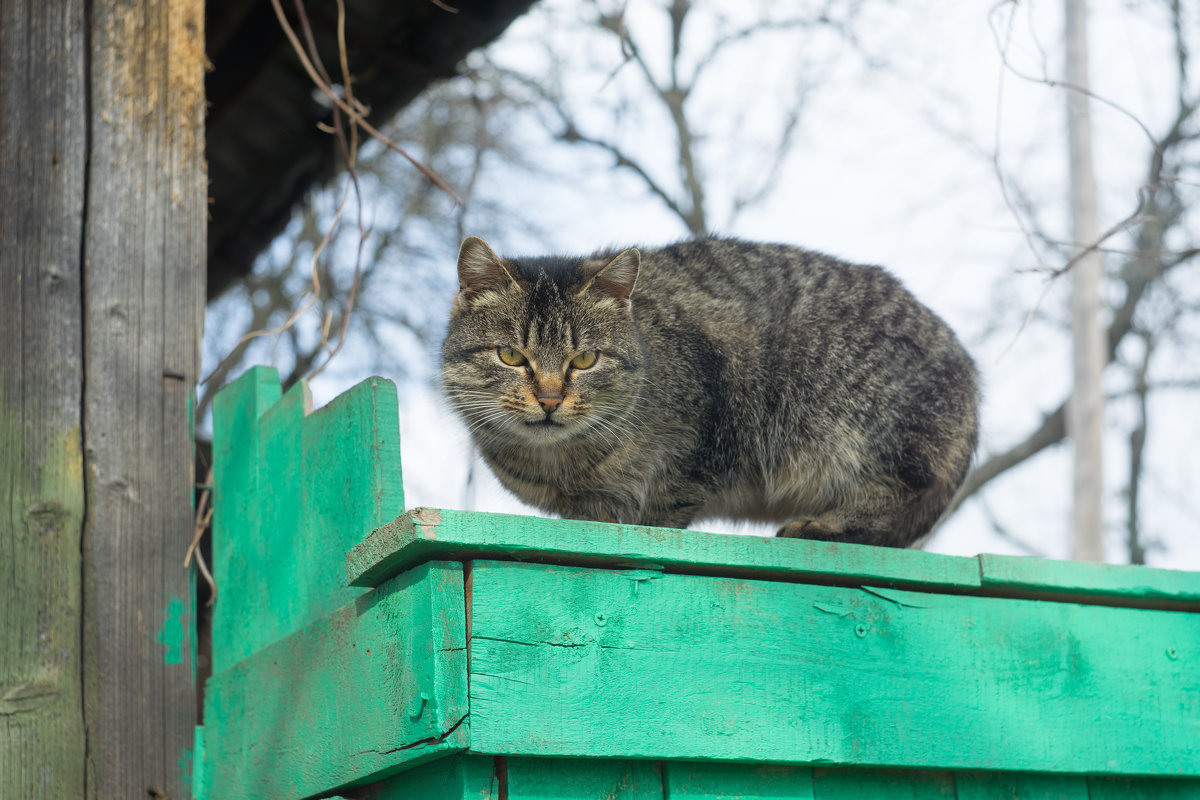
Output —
(1137, 449)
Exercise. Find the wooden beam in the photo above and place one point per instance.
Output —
(425, 533)
(563, 779)
(1133, 585)
(144, 256)
(428, 533)
(377, 685)
(886, 784)
(576, 662)
(43, 157)
(699, 780)
(457, 777)
(297, 488)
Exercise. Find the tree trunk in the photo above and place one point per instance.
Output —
(102, 236)
(1085, 413)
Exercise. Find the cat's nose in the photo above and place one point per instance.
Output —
(549, 402)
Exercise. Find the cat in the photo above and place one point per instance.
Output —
(713, 378)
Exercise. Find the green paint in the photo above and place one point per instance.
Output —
(692, 667)
(1143, 789)
(200, 784)
(691, 780)
(428, 533)
(1009, 786)
(859, 784)
(295, 490)
(173, 633)
(645, 663)
(185, 769)
(458, 777)
(1086, 580)
(425, 533)
(334, 703)
(560, 779)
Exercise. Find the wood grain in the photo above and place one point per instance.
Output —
(43, 157)
(608, 663)
(561, 779)
(1081, 579)
(458, 777)
(144, 259)
(877, 784)
(1020, 786)
(1143, 789)
(695, 780)
(376, 685)
(297, 489)
(424, 533)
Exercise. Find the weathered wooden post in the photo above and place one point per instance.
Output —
(102, 239)
(453, 655)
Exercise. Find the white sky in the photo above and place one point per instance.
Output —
(892, 166)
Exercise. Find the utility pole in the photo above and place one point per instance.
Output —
(1085, 412)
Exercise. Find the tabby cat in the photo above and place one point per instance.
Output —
(712, 378)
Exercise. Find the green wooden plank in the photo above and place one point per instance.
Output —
(570, 779)
(569, 661)
(427, 533)
(375, 686)
(698, 780)
(236, 411)
(878, 784)
(459, 777)
(1143, 789)
(1085, 579)
(294, 490)
(201, 789)
(1020, 786)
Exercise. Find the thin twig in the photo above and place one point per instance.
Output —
(212, 584)
(313, 294)
(204, 514)
(355, 111)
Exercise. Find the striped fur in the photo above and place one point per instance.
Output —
(734, 380)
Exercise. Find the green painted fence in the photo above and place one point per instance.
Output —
(366, 651)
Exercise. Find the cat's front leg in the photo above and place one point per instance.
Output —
(600, 516)
(677, 515)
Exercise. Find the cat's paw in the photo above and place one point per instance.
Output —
(820, 529)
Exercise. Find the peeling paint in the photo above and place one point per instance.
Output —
(837, 611)
(906, 599)
(172, 637)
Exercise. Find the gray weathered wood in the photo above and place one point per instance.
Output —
(43, 141)
(144, 291)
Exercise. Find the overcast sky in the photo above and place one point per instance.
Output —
(893, 166)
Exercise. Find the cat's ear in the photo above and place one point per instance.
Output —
(616, 278)
(480, 269)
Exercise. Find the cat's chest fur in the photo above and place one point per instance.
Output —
(712, 378)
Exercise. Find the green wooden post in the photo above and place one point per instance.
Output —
(294, 647)
(453, 655)
(298, 488)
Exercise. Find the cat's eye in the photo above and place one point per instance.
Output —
(584, 360)
(511, 356)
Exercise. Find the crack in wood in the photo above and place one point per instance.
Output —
(429, 740)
